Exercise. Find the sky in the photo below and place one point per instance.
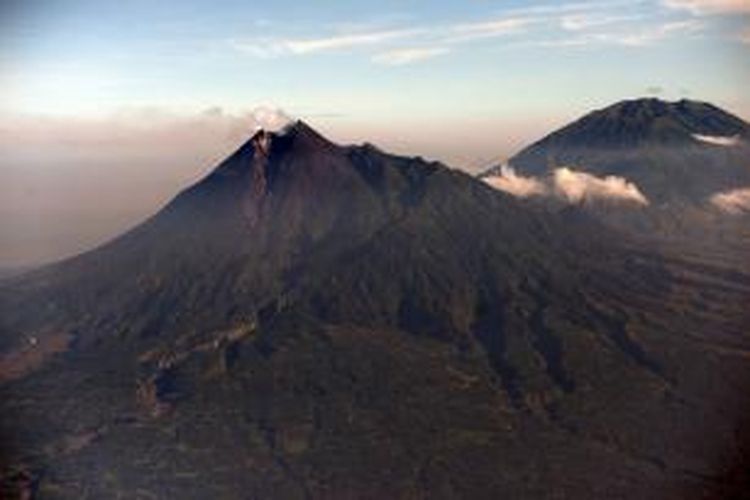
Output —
(109, 108)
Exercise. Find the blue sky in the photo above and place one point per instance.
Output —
(376, 60)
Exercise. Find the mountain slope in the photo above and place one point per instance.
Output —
(673, 158)
(319, 321)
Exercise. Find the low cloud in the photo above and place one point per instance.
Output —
(518, 185)
(718, 140)
(569, 185)
(734, 201)
(577, 187)
(400, 57)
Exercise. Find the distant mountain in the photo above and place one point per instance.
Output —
(321, 321)
(674, 152)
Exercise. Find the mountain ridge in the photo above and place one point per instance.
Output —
(320, 321)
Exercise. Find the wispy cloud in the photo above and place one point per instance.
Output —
(724, 8)
(649, 36)
(708, 7)
(399, 57)
(734, 201)
(585, 21)
(274, 47)
(346, 41)
(438, 37)
(638, 37)
(553, 9)
(575, 24)
(488, 29)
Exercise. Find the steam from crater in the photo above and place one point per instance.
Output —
(270, 118)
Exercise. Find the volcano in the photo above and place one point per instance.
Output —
(313, 320)
(675, 152)
(668, 164)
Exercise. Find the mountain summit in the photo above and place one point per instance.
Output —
(673, 151)
(313, 320)
(648, 123)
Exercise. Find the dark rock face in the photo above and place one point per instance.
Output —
(319, 321)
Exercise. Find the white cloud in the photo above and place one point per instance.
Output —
(438, 36)
(487, 29)
(400, 57)
(651, 35)
(576, 187)
(345, 41)
(744, 37)
(262, 48)
(562, 8)
(588, 23)
(734, 201)
(623, 36)
(518, 185)
(718, 140)
(569, 185)
(583, 21)
(275, 47)
(707, 7)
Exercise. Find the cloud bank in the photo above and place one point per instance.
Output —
(734, 201)
(568, 185)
